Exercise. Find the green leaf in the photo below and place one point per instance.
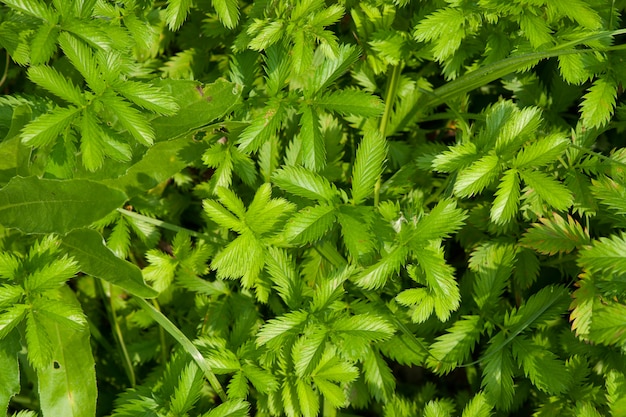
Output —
(368, 165)
(331, 69)
(351, 102)
(11, 317)
(32, 8)
(10, 382)
(497, 373)
(45, 129)
(598, 104)
(37, 205)
(176, 13)
(550, 190)
(505, 205)
(158, 164)
(57, 84)
(68, 388)
(445, 28)
(493, 265)
(616, 390)
(94, 258)
(478, 407)
(610, 193)
(475, 178)
(130, 118)
(51, 276)
(309, 400)
(376, 276)
(310, 224)
(274, 329)
(541, 366)
(82, 58)
(608, 325)
(442, 221)
(305, 183)
(541, 152)
(365, 326)
(605, 255)
(378, 376)
(313, 152)
(233, 408)
(227, 12)
(262, 128)
(148, 97)
(282, 270)
(40, 347)
(556, 235)
(580, 12)
(198, 105)
(453, 348)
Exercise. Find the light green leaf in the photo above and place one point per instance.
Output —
(276, 328)
(57, 84)
(493, 265)
(556, 235)
(475, 178)
(82, 58)
(478, 407)
(454, 347)
(606, 255)
(262, 128)
(376, 275)
(37, 205)
(10, 381)
(541, 366)
(598, 104)
(442, 221)
(368, 165)
(68, 388)
(176, 13)
(45, 129)
(130, 118)
(607, 325)
(497, 380)
(541, 152)
(549, 189)
(310, 224)
(580, 12)
(305, 183)
(506, 203)
(94, 258)
(309, 400)
(233, 408)
(351, 102)
(227, 12)
(148, 97)
(378, 376)
(11, 317)
(198, 105)
(313, 151)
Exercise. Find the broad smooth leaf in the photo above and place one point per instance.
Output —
(159, 163)
(199, 105)
(87, 247)
(10, 381)
(68, 387)
(38, 205)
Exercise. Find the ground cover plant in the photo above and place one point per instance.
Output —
(312, 208)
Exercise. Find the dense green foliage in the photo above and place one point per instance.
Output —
(364, 207)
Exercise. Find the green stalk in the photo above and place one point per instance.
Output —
(155, 303)
(392, 89)
(118, 335)
(186, 344)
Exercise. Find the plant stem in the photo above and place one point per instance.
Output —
(164, 225)
(119, 336)
(155, 303)
(392, 89)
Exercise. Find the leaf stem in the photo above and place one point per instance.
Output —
(118, 335)
(155, 303)
(392, 89)
(187, 345)
(164, 225)
(6, 70)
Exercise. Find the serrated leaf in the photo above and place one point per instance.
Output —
(309, 400)
(262, 128)
(221, 216)
(313, 151)
(130, 118)
(282, 270)
(445, 28)
(50, 79)
(584, 300)
(610, 193)
(541, 366)
(497, 380)
(475, 178)
(331, 69)
(275, 328)
(555, 235)
(598, 104)
(148, 97)
(38, 205)
(456, 157)
(378, 376)
(305, 183)
(478, 406)
(550, 190)
(310, 224)
(366, 326)
(227, 12)
(238, 386)
(541, 152)
(608, 325)
(46, 128)
(51, 276)
(262, 379)
(442, 221)
(376, 276)
(83, 59)
(454, 347)
(580, 12)
(351, 102)
(38, 341)
(605, 255)
(369, 164)
(493, 265)
(11, 317)
(176, 13)
(505, 205)
(232, 408)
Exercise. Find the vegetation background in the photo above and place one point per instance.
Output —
(352, 208)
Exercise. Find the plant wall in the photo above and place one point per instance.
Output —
(312, 208)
